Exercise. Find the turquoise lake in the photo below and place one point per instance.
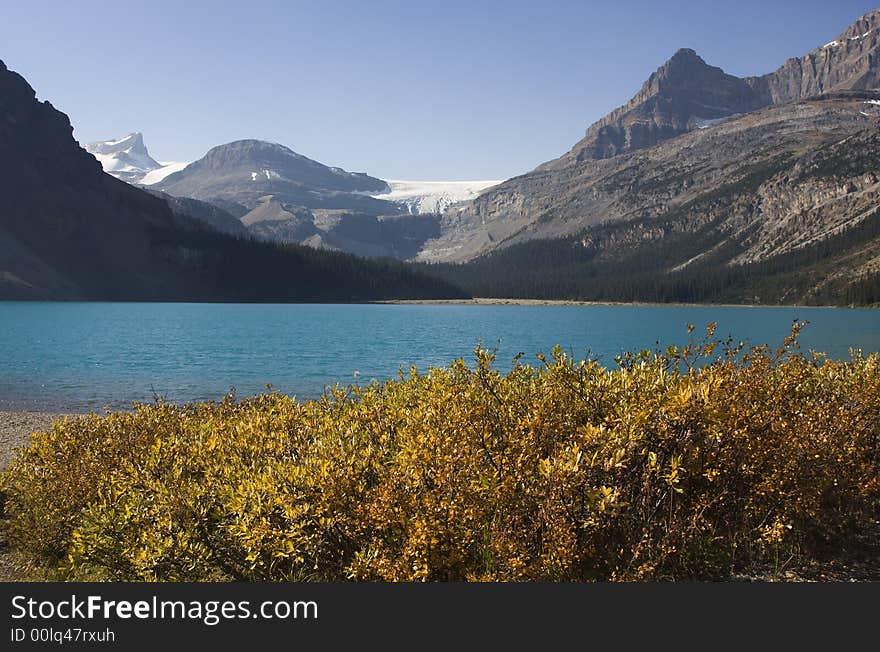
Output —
(87, 356)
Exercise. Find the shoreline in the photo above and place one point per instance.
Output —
(16, 428)
(474, 301)
(496, 301)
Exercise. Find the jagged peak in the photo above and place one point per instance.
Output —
(686, 54)
(870, 20)
(132, 143)
(683, 64)
(134, 139)
(680, 93)
(859, 29)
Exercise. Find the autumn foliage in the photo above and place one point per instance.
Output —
(689, 463)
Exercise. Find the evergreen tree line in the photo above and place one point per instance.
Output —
(565, 268)
(230, 268)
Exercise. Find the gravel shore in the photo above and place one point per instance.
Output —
(16, 429)
(491, 301)
(15, 432)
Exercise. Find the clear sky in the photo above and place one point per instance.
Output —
(407, 90)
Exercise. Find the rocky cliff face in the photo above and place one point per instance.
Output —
(700, 172)
(849, 62)
(686, 93)
(691, 134)
(683, 94)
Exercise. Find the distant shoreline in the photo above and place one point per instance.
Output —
(476, 301)
(493, 301)
(16, 428)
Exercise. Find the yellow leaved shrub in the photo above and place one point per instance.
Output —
(690, 463)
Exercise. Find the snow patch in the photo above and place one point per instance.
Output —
(856, 38)
(125, 160)
(270, 174)
(109, 162)
(431, 196)
(159, 174)
(705, 124)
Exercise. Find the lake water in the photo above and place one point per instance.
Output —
(82, 356)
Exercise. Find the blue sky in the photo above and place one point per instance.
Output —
(411, 90)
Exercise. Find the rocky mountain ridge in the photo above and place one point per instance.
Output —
(686, 93)
(848, 63)
(697, 140)
(683, 93)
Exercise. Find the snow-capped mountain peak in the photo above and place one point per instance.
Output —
(133, 143)
(128, 159)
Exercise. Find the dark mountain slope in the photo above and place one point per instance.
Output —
(68, 230)
(59, 206)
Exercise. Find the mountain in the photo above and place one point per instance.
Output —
(781, 205)
(374, 236)
(70, 231)
(281, 196)
(849, 62)
(66, 228)
(128, 159)
(284, 197)
(246, 172)
(704, 165)
(700, 172)
(682, 94)
(703, 187)
(686, 93)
